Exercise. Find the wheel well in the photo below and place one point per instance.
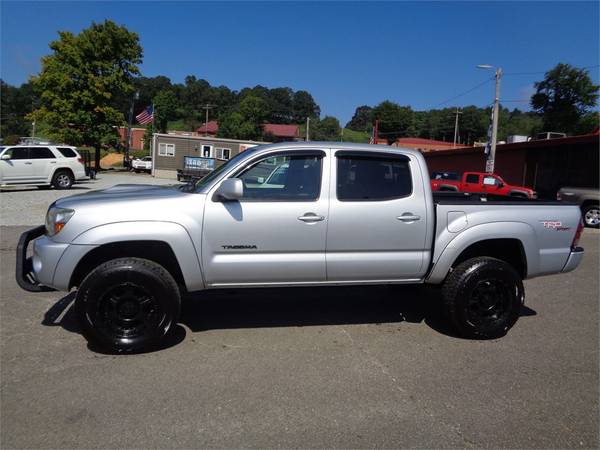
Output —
(157, 251)
(508, 250)
(587, 203)
(448, 189)
(63, 169)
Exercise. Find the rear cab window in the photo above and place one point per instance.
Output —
(376, 177)
(67, 152)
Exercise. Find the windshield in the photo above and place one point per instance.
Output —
(217, 172)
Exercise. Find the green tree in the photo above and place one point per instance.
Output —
(165, 109)
(563, 97)
(362, 120)
(245, 121)
(80, 81)
(15, 104)
(304, 106)
(394, 120)
(326, 129)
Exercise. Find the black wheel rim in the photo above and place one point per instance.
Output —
(489, 303)
(127, 312)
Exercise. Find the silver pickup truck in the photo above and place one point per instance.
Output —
(293, 214)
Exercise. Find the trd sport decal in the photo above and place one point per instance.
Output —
(554, 225)
(239, 247)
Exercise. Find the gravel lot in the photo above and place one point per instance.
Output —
(28, 205)
(306, 368)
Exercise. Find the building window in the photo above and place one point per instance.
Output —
(223, 153)
(207, 151)
(166, 149)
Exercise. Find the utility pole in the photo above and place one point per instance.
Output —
(207, 108)
(457, 113)
(128, 143)
(490, 149)
(307, 128)
(489, 165)
(33, 130)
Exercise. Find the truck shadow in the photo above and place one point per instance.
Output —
(298, 307)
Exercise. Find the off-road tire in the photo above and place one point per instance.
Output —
(483, 297)
(127, 305)
(63, 179)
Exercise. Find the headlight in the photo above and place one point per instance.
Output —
(56, 219)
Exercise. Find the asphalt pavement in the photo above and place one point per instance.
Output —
(307, 368)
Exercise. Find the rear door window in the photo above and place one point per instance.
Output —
(372, 178)
(40, 153)
(67, 152)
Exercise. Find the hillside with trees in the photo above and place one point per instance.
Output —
(89, 82)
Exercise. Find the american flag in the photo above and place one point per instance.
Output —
(146, 116)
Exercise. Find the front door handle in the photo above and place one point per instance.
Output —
(311, 217)
(29, 163)
(408, 217)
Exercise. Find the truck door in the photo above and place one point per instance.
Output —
(19, 167)
(276, 232)
(377, 220)
(471, 183)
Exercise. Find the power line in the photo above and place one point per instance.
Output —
(466, 92)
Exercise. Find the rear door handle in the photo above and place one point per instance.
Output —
(29, 163)
(311, 217)
(408, 217)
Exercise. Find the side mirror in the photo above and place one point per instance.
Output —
(500, 184)
(5, 157)
(230, 189)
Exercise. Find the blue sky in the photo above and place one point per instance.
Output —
(345, 54)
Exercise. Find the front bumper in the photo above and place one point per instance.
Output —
(25, 275)
(574, 259)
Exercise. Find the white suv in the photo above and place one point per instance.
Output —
(41, 165)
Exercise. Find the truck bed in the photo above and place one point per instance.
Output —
(544, 229)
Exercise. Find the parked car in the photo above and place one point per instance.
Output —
(41, 165)
(142, 164)
(588, 200)
(482, 183)
(339, 214)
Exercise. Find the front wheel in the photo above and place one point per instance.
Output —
(128, 304)
(483, 297)
(591, 216)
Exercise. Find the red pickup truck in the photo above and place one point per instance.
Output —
(480, 182)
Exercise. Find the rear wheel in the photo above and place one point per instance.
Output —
(62, 179)
(483, 297)
(128, 304)
(591, 216)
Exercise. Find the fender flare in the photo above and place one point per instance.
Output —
(173, 234)
(520, 231)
